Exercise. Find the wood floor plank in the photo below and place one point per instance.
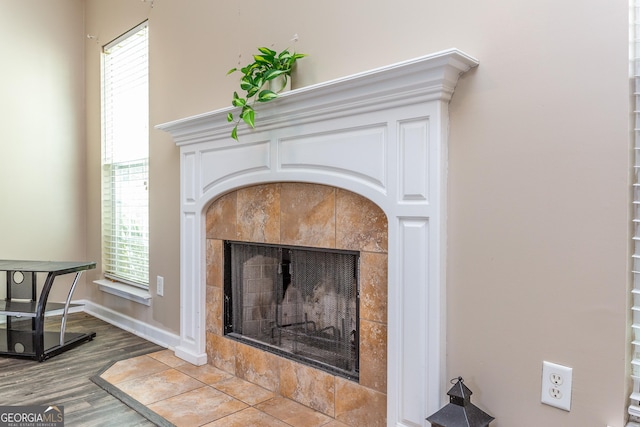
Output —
(65, 379)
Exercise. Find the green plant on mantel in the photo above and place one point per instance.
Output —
(269, 66)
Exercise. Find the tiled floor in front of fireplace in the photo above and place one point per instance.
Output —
(188, 395)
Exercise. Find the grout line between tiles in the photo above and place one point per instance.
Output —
(144, 410)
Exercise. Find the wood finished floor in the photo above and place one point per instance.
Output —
(65, 379)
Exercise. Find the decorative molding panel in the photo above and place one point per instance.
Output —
(381, 134)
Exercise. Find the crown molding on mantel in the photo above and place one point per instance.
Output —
(426, 78)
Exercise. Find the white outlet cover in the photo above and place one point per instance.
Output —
(556, 385)
(160, 286)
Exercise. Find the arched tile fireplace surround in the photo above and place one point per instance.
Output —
(381, 135)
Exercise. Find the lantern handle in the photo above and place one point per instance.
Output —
(454, 380)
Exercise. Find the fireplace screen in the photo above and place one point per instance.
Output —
(301, 303)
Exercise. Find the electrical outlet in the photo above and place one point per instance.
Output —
(555, 378)
(555, 393)
(556, 385)
(160, 286)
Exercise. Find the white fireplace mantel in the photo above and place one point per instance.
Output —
(381, 134)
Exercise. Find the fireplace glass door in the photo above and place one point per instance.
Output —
(301, 303)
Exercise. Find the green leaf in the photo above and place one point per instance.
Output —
(231, 71)
(267, 51)
(261, 59)
(234, 133)
(267, 95)
(252, 91)
(249, 117)
(245, 85)
(230, 117)
(245, 108)
(239, 102)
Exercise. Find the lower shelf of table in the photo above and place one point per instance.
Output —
(22, 343)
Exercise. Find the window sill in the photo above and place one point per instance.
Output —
(141, 296)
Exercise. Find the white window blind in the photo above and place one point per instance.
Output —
(125, 165)
(634, 407)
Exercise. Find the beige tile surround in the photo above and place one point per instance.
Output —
(316, 216)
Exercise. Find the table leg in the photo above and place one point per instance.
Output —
(63, 324)
(40, 311)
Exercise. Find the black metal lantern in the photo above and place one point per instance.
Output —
(460, 412)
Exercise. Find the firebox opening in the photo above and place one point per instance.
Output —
(299, 303)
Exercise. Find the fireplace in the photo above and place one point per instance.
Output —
(322, 243)
(301, 303)
(380, 136)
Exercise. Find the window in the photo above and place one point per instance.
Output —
(125, 160)
(634, 407)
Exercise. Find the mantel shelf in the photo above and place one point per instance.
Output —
(421, 79)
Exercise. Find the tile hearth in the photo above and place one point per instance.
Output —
(189, 395)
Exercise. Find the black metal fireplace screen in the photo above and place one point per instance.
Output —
(300, 303)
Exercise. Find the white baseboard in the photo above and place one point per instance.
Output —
(194, 359)
(143, 330)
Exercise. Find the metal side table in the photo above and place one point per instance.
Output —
(23, 333)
